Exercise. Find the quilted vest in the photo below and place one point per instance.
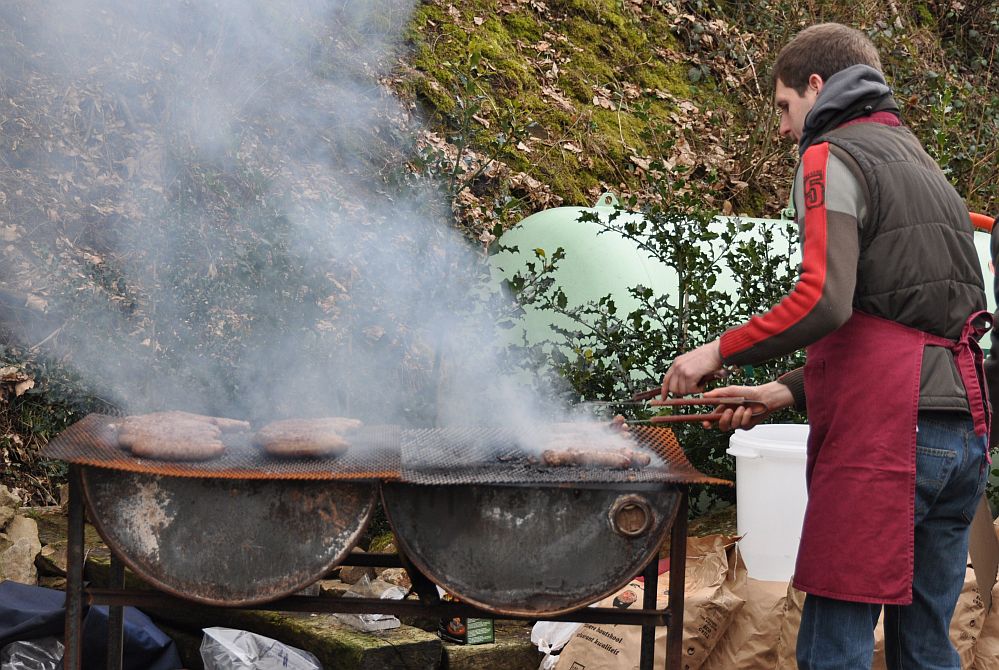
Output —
(918, 264)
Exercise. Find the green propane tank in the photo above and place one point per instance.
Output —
(598, 261)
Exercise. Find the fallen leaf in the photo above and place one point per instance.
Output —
(601, 101)
(36, 302)
(374, 332)
(559, 99)
(643, 163)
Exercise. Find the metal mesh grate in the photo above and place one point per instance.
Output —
(471, 455)
(374, 454)
(475, 455)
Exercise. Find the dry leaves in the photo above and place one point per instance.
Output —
(14, 382)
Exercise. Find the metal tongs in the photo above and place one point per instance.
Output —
(649, 396)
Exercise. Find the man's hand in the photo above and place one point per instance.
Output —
(692, 370)
(775, 395)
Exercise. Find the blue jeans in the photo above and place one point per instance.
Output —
(950, 477)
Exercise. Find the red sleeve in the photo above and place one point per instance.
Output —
(808, 291)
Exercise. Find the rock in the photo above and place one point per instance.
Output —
(50, 582)
(52, 529)
(17, 563)
(351, 574)
(8, 498)
(6, 514)
(24, 528)
(396, 576)
(332, 587)
(52, 561)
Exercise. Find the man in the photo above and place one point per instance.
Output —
(889, 305)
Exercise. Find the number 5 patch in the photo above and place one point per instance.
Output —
(815, 189)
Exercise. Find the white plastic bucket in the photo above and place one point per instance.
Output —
(770, 496)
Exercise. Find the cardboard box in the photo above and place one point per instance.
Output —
(465, 630)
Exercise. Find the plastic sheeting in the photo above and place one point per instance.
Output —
(231, 649)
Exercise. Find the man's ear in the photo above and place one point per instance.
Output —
(815, 82)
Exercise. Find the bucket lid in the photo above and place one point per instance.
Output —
(784, 440)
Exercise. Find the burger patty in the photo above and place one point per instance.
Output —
(306, 437)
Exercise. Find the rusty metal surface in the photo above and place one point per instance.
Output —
(387, 453)
(227, 541)
(92, 441)
(476, 455)
(526, 550)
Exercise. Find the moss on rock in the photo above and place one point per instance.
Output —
(546, 63)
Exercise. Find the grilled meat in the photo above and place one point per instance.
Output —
(306, 437)
(171, 436)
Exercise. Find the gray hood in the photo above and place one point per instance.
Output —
(857, 91)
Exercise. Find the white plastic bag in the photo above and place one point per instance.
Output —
(231, 649)
(366, 588)
(45, 653)
(551, 636)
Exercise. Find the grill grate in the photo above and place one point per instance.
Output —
(436, 456)
(476, 455)
(374, 454)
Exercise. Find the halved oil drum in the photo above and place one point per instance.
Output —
(530, 550)
(227, 541)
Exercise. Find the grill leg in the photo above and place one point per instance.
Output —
(677, 578)
(116, 617)
(425, 589)
(651, 575)
(73, 656)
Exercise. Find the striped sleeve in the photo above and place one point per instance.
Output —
(831, 206)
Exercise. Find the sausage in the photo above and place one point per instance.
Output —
(603, 458)
(161, 435)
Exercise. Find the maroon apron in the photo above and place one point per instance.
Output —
(862, 389)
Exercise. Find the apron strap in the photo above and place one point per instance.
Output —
(970, 361)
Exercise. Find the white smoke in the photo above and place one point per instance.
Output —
(232, 184)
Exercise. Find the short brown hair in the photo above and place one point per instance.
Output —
(823, 49)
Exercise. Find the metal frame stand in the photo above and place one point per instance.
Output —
(116, 596)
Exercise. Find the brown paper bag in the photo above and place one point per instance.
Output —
(790, 620)
(964, 628)
(987, 647)
(712, 568)
(750, 643)
(969, 617)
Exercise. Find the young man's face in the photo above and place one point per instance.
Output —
(793, 108)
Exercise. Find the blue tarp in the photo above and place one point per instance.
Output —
(29, 612)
